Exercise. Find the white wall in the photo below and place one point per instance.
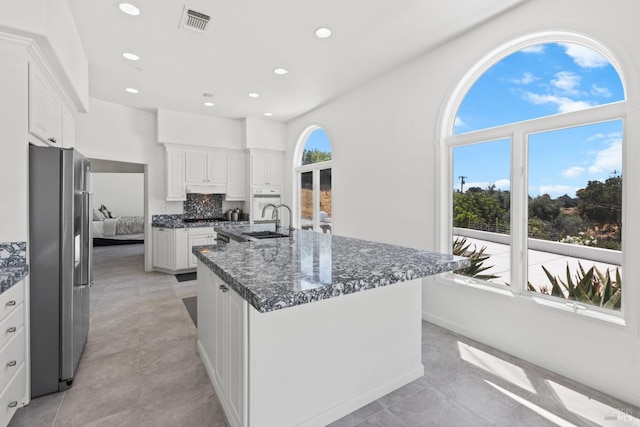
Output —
(121, 193)
(264, 134)
(192, 129)
(384, 136)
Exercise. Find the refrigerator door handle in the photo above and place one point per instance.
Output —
(87, 237)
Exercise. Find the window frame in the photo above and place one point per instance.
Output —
(315, 168)
(518, 133)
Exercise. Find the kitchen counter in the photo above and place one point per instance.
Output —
(273, 274)
(176, 221)
(13, 264)
(315, 320)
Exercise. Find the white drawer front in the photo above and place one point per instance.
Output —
(11, 299)
(12, 396)
(199, 231)
(11, 358)
(11, 325)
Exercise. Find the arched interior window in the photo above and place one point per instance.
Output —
(537, 175)
(313, 173)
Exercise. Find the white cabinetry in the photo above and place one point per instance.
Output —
(223, 337)
(45, 107)
(266, 168)
(206, 168)
(199, 237)
(170, 248)
(236, 177)
(13, 380)
(175, 175)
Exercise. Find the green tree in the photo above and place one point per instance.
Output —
(476, 206)
(544, 208)
(315, 156)
(601, 202)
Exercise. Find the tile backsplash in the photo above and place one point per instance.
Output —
(203, 206)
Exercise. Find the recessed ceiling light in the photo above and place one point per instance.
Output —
(254, 95)
(208, 104)
(132, 90)
(131, 56)
(207, 95)
(129, 9)
(323, 33)
(268, 114)
(280, 71)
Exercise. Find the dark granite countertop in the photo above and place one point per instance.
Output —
(272, 274)
(176, 221)
(13, 264)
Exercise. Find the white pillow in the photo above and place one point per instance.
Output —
(98, 215)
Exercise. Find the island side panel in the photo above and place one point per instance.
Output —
(312, 364)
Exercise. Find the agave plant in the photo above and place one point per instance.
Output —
(476, 257)
(589, 287)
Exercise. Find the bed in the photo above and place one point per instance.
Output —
(110, 230)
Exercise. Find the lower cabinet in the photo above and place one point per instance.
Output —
(200, 237)
(13, 345)
(172, 246)
(222, 334)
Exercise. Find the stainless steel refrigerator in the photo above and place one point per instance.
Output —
(60, 264)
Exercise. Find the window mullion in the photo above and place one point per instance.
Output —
(519, 213)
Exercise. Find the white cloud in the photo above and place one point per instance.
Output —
(585, 57)
(609, 159)
(600, 91)
(565, 105)
(503, 184)
(557, 190)
(458, 123)
(567, 82)
(526, 79)
(536, 48)
(611, 136)
(573, 172)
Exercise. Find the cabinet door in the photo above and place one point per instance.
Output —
(196, 241)
(196, 167)
(236, 177)
(217, 169)
(181, 248)
(158, 246)
(175, 176)
(168, 249)
(236, 386)
(259, 169)
(45, 108)
(220, 358)
(274, 170)
(68, 128)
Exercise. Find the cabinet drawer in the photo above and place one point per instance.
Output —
(200, 231)
(11, 357)
(11, 299)
(10, 326)
(11, 397)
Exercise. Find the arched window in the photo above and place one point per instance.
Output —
(535, 174)
(313, 178)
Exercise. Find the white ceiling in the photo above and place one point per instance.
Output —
(247, 39)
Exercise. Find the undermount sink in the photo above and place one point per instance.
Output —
(264, 234)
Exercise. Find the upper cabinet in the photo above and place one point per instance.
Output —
(174, 172)
(49, 119)
(206, 168)
(236, 177)
(267, 168)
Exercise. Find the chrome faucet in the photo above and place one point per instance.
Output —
(275, 210)
(274, 215)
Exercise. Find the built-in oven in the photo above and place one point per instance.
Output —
(261, 198)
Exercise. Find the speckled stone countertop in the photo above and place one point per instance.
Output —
(175, 221)
(273, 274)
(13, 264)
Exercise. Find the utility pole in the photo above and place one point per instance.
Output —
(462, 182)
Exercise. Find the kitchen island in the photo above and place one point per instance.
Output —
(303, 330)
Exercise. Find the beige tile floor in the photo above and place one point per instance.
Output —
(141, 368)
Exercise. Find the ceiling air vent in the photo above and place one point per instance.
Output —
(194, 20)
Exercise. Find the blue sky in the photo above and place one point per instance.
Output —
(318, 140)
(539, 81)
